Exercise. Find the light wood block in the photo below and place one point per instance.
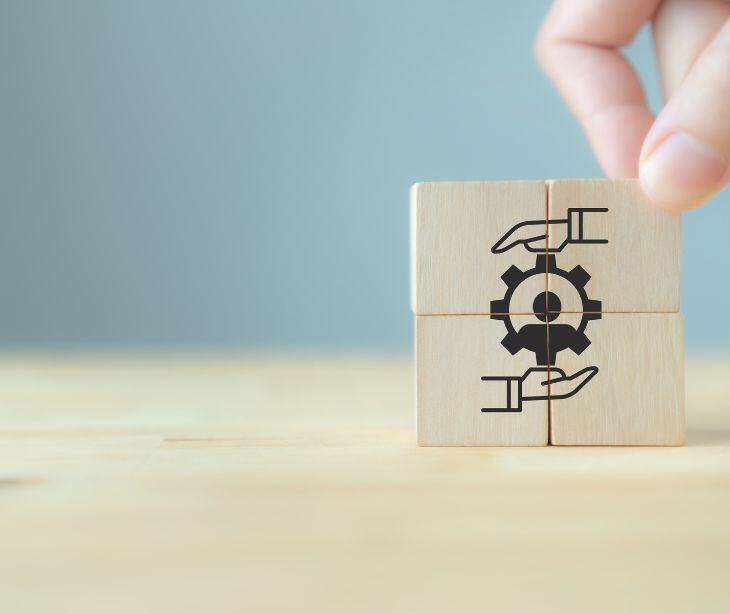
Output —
(637, 395)
(454, 227)
(637, 270)
(453, 354)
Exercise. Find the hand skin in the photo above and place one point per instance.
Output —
(681, 157)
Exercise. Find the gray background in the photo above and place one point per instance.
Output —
(236, 173)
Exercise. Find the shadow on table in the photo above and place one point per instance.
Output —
(708, 437)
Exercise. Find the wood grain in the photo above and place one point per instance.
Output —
(638, 269)
(453, 228)
(153, 483)
(452, 355)
(637, 397)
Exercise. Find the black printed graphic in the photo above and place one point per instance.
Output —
(534, 386)
(547, 307)
(533, 234)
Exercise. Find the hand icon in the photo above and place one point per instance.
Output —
(566, 386)
(533, 386)
(533, 234)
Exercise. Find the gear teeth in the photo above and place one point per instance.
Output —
(541, 262)
(512, 343)
(499, 306)
(513, 276)
(579, 342)
(593, 307)
(578, 276)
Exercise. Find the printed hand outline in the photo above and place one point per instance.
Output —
(533, 234)
(557, 383)
(533, 386)
(526, 237)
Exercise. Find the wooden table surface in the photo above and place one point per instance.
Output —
(292, 483)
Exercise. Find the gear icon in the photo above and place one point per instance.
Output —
(547, 309)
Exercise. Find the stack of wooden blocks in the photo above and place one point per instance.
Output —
(546, 313)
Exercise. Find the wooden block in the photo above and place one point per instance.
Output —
(471, 391)
(456, 228)
(636, 397)
(628, 250)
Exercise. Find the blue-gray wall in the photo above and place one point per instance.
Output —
(236, 172)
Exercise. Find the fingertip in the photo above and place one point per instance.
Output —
(682, 172)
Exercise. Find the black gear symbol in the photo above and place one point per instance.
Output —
(532, 336)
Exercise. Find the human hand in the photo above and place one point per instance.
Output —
(681, 158)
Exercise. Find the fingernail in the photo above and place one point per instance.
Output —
(682, 172)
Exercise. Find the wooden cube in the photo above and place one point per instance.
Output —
(454, 227)
(571, 285)
(628, 248)
(637, 394)
(472, 392)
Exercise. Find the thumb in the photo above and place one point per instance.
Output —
(684, 159)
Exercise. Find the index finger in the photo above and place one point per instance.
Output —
(578, 47)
